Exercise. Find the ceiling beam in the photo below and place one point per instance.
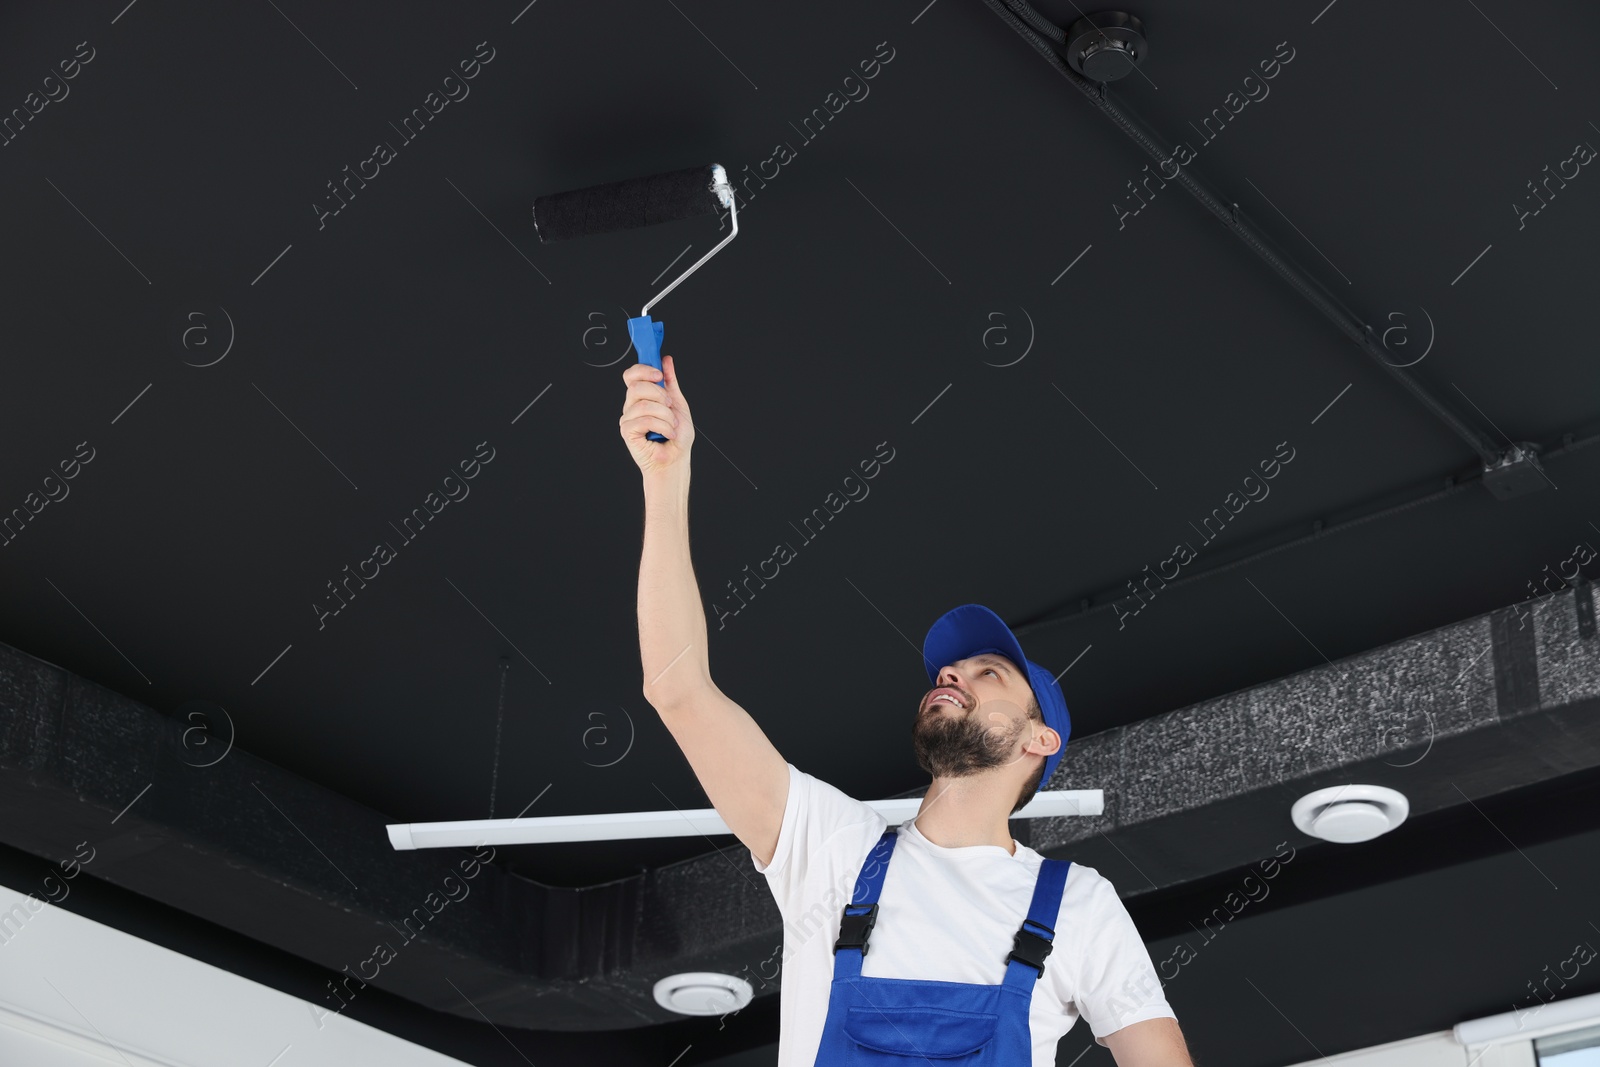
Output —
(1475, 708)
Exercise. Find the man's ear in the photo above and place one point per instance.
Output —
(1048, 739)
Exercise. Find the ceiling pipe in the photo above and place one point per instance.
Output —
(1080, 606)
(1348, 322)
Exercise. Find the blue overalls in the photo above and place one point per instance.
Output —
(882, 1021)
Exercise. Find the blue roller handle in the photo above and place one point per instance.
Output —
(646, 334)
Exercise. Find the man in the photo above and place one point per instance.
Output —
(942, 940)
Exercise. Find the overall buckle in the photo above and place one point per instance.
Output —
(1030, 948)
(854, 929)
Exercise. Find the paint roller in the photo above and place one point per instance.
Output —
(629, 204)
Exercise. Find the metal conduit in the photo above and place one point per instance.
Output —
(1013, 11)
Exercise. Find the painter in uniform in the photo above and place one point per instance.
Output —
(935, 905)
(979, 954)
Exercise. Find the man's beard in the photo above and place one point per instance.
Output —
(949, 746)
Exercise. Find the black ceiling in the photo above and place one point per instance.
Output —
(170, 208)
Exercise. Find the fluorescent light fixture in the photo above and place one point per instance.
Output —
(625, 825)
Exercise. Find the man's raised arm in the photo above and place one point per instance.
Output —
(743, 775)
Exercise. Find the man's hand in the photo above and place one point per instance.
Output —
(650, 407)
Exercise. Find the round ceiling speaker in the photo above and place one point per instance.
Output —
(703, 993)
(1105, 46)
(1346, 814)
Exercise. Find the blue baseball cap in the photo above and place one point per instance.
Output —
(973, 629)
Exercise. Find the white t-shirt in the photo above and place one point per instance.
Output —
(945, 914)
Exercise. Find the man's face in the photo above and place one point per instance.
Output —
(974, 719)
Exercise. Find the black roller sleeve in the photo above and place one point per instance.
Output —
(626, 205)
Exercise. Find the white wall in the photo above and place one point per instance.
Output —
(74, 993)
(1430, 1050)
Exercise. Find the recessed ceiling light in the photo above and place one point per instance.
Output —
(703, 993)
(1346, 814)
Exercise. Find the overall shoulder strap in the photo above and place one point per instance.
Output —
(855, 925)
(1036, 936)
